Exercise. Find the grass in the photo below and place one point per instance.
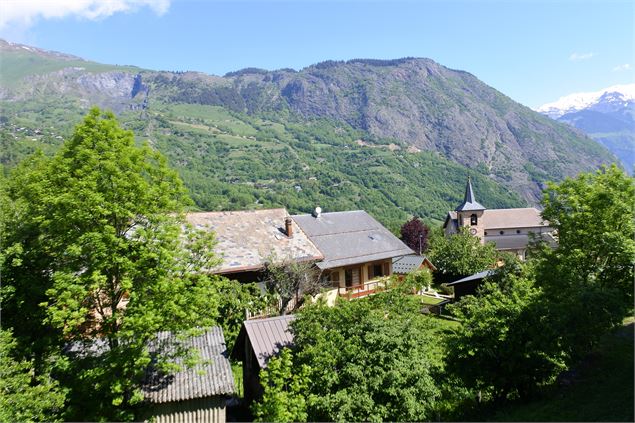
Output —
(431, 300)
(603, 390)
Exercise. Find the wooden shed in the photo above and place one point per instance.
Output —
(195, 394)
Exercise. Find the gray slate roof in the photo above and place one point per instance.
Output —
(406, 264)
(213, 376)
(246, 239)
(351, 237)
(268, 336)
(469, 201)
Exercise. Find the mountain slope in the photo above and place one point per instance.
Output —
(608, 116)
(394, 136)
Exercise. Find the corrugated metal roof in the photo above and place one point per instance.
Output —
(476, 276)
(213, 376)
(351, 237)
(269, 336)
(406, 264)
(246, 239)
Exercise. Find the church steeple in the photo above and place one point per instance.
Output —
(469, 201)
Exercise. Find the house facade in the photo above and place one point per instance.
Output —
(357, 250)
(511, 230)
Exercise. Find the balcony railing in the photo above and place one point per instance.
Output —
(365, 289)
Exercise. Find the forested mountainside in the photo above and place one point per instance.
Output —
(392, 137)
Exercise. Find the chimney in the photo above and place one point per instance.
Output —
(317, 212)
(288, 226)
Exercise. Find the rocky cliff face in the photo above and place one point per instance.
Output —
(416, 102)
(421, 103)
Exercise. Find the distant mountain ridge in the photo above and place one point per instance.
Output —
(605, 100)
(412, 104)
(607, 115)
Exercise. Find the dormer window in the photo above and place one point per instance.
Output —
(473, 220)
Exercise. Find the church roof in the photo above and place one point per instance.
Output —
(469, 201)
(528, 217)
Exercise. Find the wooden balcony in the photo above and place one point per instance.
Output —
(365, 289)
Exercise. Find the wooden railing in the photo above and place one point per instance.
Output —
(364, 289)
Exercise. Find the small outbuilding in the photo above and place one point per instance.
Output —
(469, 284)
(258, 341)
(195, 394)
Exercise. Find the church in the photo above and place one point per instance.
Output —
(509, 229)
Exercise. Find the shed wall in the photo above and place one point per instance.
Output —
(200, 410)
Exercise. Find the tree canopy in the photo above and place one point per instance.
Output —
(369, 360)
(461, 254)
(414, 233)
(98, 235)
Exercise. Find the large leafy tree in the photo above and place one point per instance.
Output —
(100, 241)
(588, 279)
(24, 396)
(505, 346)
(285, 388)
(461, 254)
(369, 360)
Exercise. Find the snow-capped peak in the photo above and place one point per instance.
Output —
(579, 101)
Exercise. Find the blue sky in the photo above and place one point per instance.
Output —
(533, 51)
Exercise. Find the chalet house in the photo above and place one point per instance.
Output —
(357, 250)
(247, 239)
(196, 394)
(257, 342)
(510, 230)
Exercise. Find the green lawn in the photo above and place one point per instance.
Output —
(603, 390)
(431, 300)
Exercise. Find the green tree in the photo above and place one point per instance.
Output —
(290, 279)
(461, 254)
(369, 360)
(24, 396)
(285, 388)
(505, 346)
(588, 279)
(113, 260)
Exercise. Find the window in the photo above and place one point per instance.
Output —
(517, 231)
(502, 232)
(375, 270)
(473, 220)
(333, 278)
(351, 277)
(485, 233)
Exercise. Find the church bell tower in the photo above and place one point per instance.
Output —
(470, 213)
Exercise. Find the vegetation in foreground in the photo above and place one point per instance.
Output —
(599, 388)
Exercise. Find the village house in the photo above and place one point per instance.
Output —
(357, 250)
(194, 394)
(511, 230)
(248, 239)
(257, 342)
